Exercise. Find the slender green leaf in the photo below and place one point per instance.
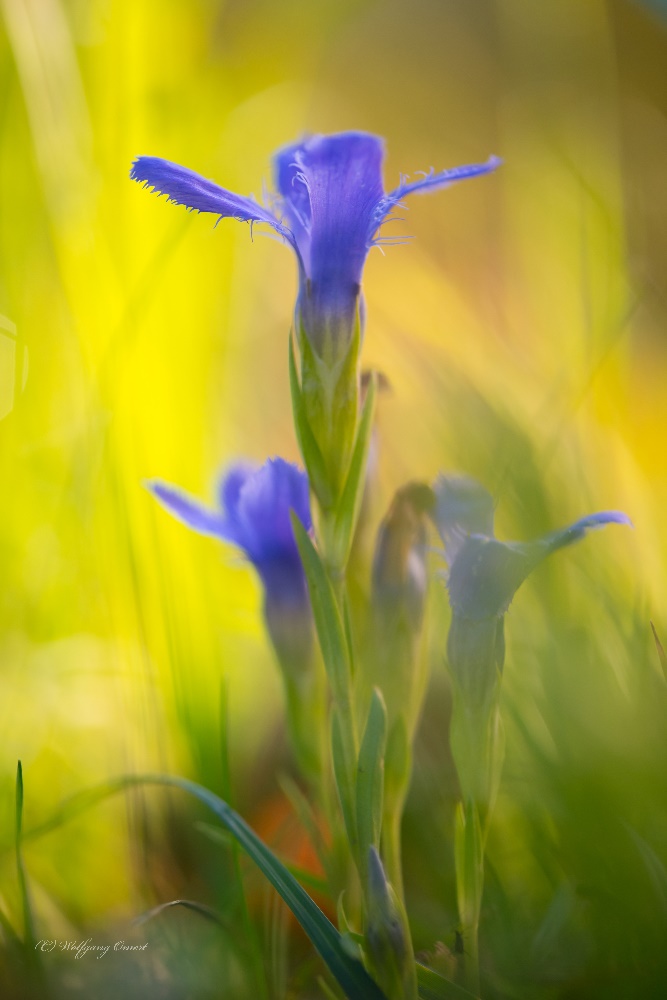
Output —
(8, 930)
(306, 816)
(325, 612)
(349, 635)
(343, 765)
(28, 923)
(225, 839)
(370, 777)
(349, 972)
(433, 986)
(352, 941)
(327, 941)
(188, 904)
(469, 861)
(655, 868)
(397, 763)
(310, 450)
(330, 399)
(349, 505)
(329, 993)
(249, 928)
(662, 656)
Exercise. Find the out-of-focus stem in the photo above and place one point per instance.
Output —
(469, 853)
(391, 850)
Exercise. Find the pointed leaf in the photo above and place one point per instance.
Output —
(330, 396)
(433, 986)
(349, 972)
(350, 502)
(370, 777)
(662, 656)
(469, 863)
(343, 765)
(325, 612)
(310, 450)
(397, 764)
(326, 939)
(28, 923)
(188, 904)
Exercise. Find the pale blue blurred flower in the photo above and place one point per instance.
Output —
(484, 574)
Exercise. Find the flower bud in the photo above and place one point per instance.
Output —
(388, 935)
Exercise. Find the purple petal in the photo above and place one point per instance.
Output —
(573, 532)
(265, 502)
(185, 187)
(429, 182)
(231, 485)
(294, 197)
(188, 510)
(342, 175)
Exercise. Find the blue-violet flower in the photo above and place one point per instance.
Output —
(254, 515)
(329, 206)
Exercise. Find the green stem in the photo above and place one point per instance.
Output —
(469, 855)
(391, 851)
(306, 721)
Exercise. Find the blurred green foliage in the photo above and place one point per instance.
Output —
(522, 334)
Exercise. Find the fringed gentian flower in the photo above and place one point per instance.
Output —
(483, 576)
(484, 573)
(329, 206)
(254, 515)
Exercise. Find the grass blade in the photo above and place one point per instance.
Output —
(188, 904)
(350, 973)
(28, 923)
(327, 941)
(433, 986)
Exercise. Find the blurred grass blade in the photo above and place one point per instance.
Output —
(13, 366)
(327, 941)
(433, 986)
(28, 923)
(79, 803)
(655, 868)
(249, 929)
(7, 929)
(351, 975)
(662, 656)
(307, 818)
(188, 904)
(328, 992)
